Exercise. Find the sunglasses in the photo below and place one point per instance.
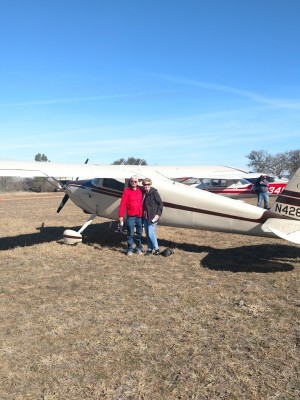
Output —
(147, 184)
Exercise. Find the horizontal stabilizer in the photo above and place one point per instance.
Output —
(284, 228)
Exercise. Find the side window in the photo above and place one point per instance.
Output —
(113, 184)
(218, 182)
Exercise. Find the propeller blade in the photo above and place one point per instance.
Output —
(66, 196)
(63, 202)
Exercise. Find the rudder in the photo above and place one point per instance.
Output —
(288, 202)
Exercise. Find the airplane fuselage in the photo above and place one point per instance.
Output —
(184, 206)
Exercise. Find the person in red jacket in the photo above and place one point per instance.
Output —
(132, 204)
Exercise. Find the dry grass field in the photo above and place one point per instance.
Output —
(219, 319)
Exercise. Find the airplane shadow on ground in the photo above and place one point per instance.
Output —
(264, 258)
(43, 235)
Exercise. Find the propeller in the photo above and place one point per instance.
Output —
(63, 202)
(66, 196)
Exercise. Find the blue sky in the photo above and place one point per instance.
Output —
(171, 82)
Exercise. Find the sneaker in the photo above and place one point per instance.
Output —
(129, 253)
(148, 252)
(140, 252)
(156, 253)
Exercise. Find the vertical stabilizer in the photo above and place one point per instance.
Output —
(288, 202)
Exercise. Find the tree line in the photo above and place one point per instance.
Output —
(280, 164)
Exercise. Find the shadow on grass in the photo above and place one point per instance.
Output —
(263, 258)
(43, 235)
(103, 234)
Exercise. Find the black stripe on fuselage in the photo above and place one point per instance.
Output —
(115, 193)
(265, 216)
(289, 197)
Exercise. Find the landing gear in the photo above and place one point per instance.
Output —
(73, 237)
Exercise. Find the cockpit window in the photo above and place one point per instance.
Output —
(96, 181)
(113, 184)
(244, 181)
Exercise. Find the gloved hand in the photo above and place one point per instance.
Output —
(120, 227)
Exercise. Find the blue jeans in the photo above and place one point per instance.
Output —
(150, 235)
(263, 196)
(136, 237)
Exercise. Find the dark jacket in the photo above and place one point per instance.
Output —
(262, 185)
(152, 204)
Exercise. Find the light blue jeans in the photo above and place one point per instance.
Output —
(150, 235)
(263, 196)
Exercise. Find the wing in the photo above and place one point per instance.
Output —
(200, 171)
(65, 171)
(85, 171)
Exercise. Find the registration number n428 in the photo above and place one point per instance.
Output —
(291, 211)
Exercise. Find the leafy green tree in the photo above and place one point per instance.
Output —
(130, 161)
(41, 157)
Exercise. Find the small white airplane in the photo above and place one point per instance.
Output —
(184, 206)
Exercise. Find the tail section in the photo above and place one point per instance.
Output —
(287, 203)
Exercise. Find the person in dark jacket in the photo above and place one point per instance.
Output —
(132, 204)
(152, 211)
(262, 186)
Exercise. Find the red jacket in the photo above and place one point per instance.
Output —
(131, 202)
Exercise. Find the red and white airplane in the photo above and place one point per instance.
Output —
(184, 206)
(276, 184)
(235, 186)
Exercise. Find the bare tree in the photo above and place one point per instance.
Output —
(285, 163)
(260, 161)
(12, 184)
(293, 161)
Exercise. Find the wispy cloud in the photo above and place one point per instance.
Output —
(256, 97)
(73, 99)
